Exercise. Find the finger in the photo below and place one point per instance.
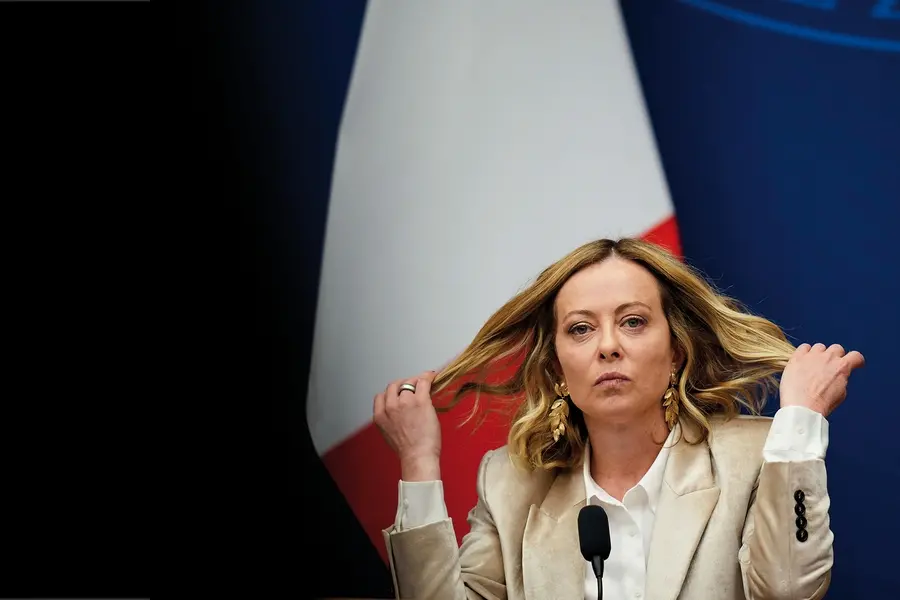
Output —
(802, 349)
(406, 396)
(378, 405)
(818, 347)
(423, 385)
(390, 396)
(836, 349)
(853, 360)
(396, 383)
(406, 392)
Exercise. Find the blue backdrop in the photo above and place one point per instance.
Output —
(778, 122)
(779, 128)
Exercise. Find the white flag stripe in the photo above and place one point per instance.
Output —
(480, 142)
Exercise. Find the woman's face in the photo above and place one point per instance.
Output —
(610, 322)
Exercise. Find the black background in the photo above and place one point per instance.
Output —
(76, 112)
(290, 531)
(310, 543)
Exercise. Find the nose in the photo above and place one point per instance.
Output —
(609, 347)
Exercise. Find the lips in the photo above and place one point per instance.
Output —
(611, 378)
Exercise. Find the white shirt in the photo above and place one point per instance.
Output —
(797, 433)
(630, 527)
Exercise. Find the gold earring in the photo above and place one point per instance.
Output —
(670, 401)
(559, 411)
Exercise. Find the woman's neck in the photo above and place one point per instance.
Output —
(621, 453)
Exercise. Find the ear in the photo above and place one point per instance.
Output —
(678, 356)
(557, 369)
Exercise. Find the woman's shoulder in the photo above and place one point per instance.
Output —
(740, 424)
(501, 463)
(741, 436)
(502, 473)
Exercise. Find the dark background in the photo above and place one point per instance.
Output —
(76, 110)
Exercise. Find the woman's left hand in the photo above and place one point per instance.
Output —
(816, 377)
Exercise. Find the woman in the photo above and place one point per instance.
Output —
(633, 376)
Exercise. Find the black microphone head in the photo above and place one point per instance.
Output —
(593, 532)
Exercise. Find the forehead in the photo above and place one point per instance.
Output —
(604, 286)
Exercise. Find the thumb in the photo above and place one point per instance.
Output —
(425, 380)
(853, 360)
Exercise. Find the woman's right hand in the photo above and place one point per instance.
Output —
(410, 425)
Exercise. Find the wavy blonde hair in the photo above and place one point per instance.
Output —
(731, 357)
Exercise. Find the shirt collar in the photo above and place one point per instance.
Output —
(651, 482)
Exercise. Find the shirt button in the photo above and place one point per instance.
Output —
(801, 431)
(405, 503)
(638, 594)
(632, 533)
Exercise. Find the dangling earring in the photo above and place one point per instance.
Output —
(670, 401)
(559, 411)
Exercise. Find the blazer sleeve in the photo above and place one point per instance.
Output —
(786, 549)
(427, 564)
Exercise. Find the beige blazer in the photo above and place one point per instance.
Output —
(726, 528)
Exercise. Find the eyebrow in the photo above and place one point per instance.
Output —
(619, 309)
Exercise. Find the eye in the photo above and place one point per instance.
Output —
(579, 329)
(634, 322)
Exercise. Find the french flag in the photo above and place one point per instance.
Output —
(479, 142)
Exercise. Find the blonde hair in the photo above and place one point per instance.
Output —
(731, 357)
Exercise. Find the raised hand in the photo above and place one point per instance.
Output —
(816, 377)
(409, 423)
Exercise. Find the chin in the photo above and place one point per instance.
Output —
(611, 407)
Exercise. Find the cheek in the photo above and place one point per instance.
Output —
(655, 363)
(574, 361)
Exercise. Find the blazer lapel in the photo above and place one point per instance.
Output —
(687, 498)
(552, 565)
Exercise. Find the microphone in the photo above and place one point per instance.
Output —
(593, 535)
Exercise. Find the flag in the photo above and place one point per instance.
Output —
(479, 143)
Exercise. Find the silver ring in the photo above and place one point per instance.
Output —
(407, 386)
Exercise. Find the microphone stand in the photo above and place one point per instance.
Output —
(597, 563)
